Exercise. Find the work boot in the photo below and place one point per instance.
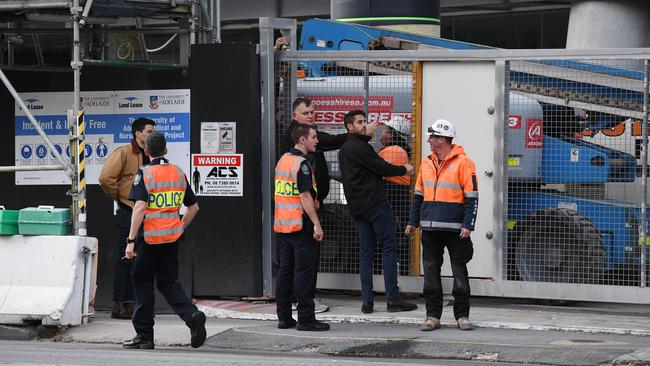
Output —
(367, 307)
(400, 305)
(430, 323)
(138, 343)
(314, 326)
(286, 324)
(197, 329)
(465, 324)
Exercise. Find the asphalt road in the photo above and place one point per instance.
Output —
(407, 342)
(41, 353)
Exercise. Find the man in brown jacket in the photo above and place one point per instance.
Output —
(116, 179)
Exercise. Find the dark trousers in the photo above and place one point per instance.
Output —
(297, 254)
(460, 252)
(377, 223)
(122, 285)
(158, 261)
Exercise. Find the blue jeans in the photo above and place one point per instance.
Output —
(122, 284)
(377, 222)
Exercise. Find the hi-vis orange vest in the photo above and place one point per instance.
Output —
(449, 190)
(396, 155)
(288, 208)
(165, 184)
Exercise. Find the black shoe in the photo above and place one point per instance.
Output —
(314, 326)
(122, 310)
(286, 324)
(197, 328)
(400, 305)
(367, 307)
(138, 343)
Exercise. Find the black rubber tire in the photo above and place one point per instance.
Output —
(559, 245)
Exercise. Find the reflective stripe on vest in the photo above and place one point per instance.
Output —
(165, 185)
(288, 207)
(440, 186)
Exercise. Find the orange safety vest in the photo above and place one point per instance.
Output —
(445, 186)
(288, 207)
(165, 185)
(397, 156)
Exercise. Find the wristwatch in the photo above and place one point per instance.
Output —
(129, 241)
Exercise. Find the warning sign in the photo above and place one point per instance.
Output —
(218, 175)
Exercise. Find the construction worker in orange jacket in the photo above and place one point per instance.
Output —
(159, 190)
(299, 231)
(444, 206)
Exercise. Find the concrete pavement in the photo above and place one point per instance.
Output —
(617, 332)
(521, 314)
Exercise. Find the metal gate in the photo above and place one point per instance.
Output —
(558, 137)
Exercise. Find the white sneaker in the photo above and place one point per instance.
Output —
(294, 306)
(319, 307)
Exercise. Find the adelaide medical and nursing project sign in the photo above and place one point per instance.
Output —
(108, 117)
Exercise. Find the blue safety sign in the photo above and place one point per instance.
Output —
(102, 150)
(89, 150)
(41, 151)
(58, 148)
(67, 150)
(26, 151)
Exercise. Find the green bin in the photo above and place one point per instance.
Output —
(44, 220)
(8, 221)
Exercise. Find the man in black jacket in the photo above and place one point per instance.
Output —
(303, 113)
(362, 171)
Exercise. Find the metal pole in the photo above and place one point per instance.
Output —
(366, 87)
(141, 40)
(644, 175)
(267, 78)
(76, 139)
(25, 168)
(193, 24)
(267, 99)
(217, 21)
(42, 4)
(68, 169)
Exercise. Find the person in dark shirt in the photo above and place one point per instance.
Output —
(299, 231)
(116, 179)
(159, 190)
(362, 171)
(303, 114)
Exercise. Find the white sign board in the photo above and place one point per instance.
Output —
(108, 117)
(209, 137)
(217, 175)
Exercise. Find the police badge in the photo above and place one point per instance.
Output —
(305, 169)
(138, 178)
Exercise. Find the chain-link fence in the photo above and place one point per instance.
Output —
(571, 180)
(385, 97)
(574, 147)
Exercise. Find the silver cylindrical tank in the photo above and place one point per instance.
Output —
(608, 24)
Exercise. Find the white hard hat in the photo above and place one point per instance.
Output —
(442, 127)
(400, 124)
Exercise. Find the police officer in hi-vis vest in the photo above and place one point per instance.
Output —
(299, 231)
(444, 205)
(159, 190)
